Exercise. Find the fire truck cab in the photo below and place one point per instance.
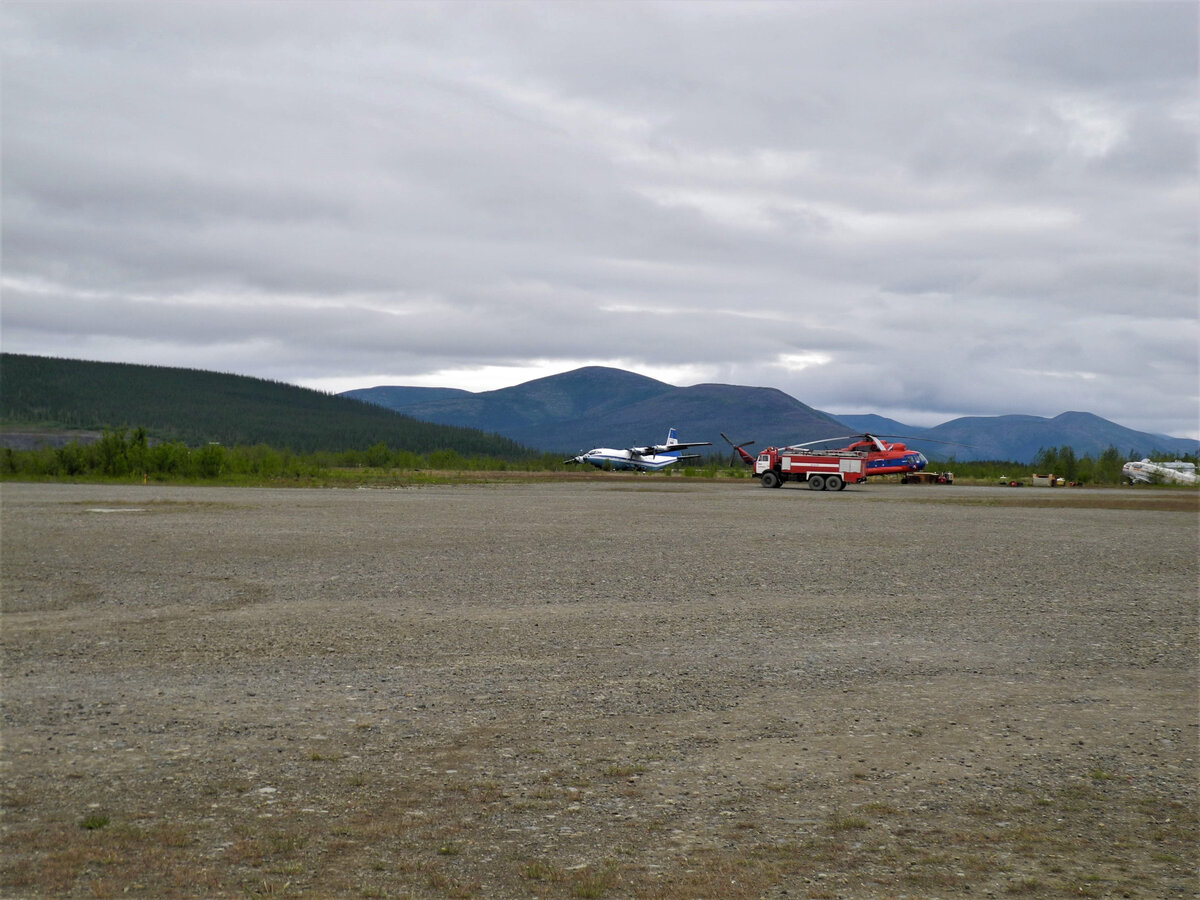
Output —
(824, 470)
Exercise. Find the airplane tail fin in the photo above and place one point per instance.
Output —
(672, 437)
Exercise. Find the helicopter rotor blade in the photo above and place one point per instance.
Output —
(870, 436)
(926, 440)
(844, 437)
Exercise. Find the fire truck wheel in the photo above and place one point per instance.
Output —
(816, 482)
(771, 479)
(834, 483)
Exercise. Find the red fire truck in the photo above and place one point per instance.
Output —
(824, 470)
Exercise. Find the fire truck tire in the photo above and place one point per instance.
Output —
(834, 483)
(771, 479)
(816, 482)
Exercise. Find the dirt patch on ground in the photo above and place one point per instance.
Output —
(637, 688)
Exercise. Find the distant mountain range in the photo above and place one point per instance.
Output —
(43, 399)
(1019, 438)
(597, 406)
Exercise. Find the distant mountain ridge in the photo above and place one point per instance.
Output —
(598, 406)
(1019, 438)
(878, 424)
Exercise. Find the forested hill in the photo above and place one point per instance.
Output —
(196, 407)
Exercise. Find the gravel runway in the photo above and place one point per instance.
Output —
(619, 687)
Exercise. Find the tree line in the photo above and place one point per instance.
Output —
(1105, 469)
(131, 454)
(1063, 462)
(121, 454)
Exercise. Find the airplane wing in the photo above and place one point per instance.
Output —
(670, 448)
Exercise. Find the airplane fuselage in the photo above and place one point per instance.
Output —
(1149, 472)
(603, 457)
(645, 459)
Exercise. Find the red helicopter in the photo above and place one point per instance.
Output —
(882, 458)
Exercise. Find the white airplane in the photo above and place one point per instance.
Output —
(1149, 472)
(652, 458)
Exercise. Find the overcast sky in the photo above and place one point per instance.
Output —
(923, 210)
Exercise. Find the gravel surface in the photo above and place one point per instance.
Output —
(626, 687)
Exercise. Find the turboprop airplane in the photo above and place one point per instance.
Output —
(1149, 472)
(644, 459)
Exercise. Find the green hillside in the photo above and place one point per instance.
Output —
(195, 407)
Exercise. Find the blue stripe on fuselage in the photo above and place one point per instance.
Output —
(909, 460)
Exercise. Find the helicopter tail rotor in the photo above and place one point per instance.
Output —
(738, 452)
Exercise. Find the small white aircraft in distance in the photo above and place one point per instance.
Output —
(644, 459)
(1149, 472)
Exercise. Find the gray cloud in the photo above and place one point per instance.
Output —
(919, 209)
